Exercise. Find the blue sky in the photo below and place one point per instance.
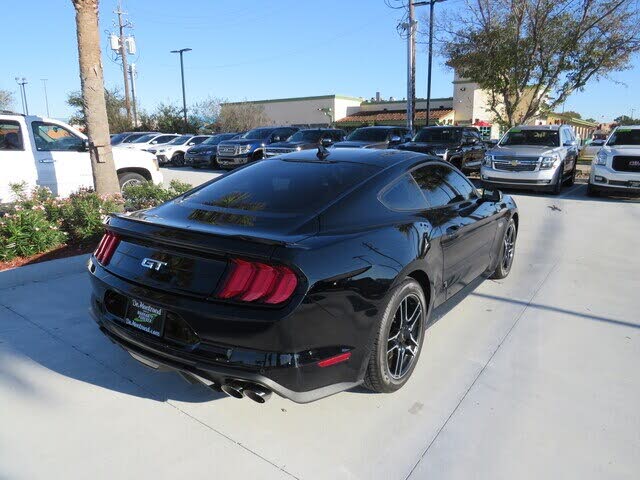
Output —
(252, 49)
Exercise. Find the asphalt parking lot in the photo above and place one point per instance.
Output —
(535, 376)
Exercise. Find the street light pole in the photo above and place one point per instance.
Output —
(46, 98)
(431, 4)
(184, 97)
(23, 93)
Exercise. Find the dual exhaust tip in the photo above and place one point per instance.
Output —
(255, 392)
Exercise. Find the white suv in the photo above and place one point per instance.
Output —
(616, 167)
(149, 140)
(44, 152)
(173, 151)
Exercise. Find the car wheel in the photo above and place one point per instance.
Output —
(557, 181)
(178, 160)
(399, 339)
(130, 178)
(592, 191)
(507, 251)
(456, 162)
(259, 155)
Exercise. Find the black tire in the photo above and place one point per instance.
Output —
(557, 181)
(507, 251)
(405, 347)
(259, 155)
(178, 160)
(456, 162)
(130, 178)
(592, 191)
(569, 182)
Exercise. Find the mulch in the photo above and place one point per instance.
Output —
(59, 252)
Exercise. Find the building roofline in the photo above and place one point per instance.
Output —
(297, 99)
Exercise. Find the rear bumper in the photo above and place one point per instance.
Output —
(263, 352)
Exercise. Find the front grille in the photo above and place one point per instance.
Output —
(516, 166)
(626, 163)
(230, 150)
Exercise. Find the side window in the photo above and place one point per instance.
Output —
(437, 192)
(49, 137)
(403, 194)
(197, 140)
(163, 139)
(10, 135)
(463, 189)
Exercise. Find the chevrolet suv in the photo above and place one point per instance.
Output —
(533, 157)
(616, 167)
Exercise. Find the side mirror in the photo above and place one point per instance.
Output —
(86, 145)
(325, 142)
(190, 144)
(570, 144)
(153, 142)
(276, 138)
(489, 195)
(395, 139)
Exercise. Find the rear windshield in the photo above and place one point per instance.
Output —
(545, 138)
(369, 135)
(438, 135)
(625, 136)
(280, 186)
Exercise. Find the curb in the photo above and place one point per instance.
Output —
(43, 271)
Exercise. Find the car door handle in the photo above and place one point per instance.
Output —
(47, 160)
(453, 230)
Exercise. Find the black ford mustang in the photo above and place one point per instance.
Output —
(305, 275)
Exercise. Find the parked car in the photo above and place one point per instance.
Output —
(375, 137)
(590, 150)
(127, 137)
(323, 277)
(148, 141)
(250, 146)
(460, 146)
(205, 154)
(616, 168)
(173, 151)
(533, 157)
(48, 153)
(304, 140)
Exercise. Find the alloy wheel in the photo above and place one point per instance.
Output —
(403, 339)
(508, 247)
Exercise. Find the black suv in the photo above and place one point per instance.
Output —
(375, 137)
(305, 140)
(461, 146)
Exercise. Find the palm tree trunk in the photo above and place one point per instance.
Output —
(95, 108)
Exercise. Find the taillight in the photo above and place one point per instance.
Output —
(258, 282)
(106, 247)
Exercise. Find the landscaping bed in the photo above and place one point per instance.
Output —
(38, 227)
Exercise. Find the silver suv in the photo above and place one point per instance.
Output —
(532, 157)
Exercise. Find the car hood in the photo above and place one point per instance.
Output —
(427, 147)
(202, 148)
(242, 141)
(523, 151)
(302, 144)
(622, 150)
(358, 144)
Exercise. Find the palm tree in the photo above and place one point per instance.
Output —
(95, 108)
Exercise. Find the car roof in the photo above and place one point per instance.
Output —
(540, 127)
(383, 127)
(376, 157)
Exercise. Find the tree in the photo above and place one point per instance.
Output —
(116, 113)
(572, 114)
(526, 53)
(240, 117)
(626, 120)
(6, 100)
(105, 179)
(169, 118)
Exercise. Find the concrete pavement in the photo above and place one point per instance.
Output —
(535, 376)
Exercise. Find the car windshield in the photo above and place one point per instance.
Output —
(544, 138)
(306, 136)
(257, 134)
(438, 135)
(369, 135)
(146, 138)
(214, 140)
(132, 138)
(181, 140)
(625, 136)
(283, 186)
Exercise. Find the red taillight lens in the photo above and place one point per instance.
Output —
(258, 282)
(106, 247)
(343, 357)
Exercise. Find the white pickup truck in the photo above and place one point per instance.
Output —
(49, 153)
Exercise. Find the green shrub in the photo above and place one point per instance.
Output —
(147, 195)
(25, 232)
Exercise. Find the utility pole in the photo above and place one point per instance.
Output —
(184, 97)
(46, 98)
(132, 74)
(411, 68)
(123, 55)
(23, 94)
(431, 4)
